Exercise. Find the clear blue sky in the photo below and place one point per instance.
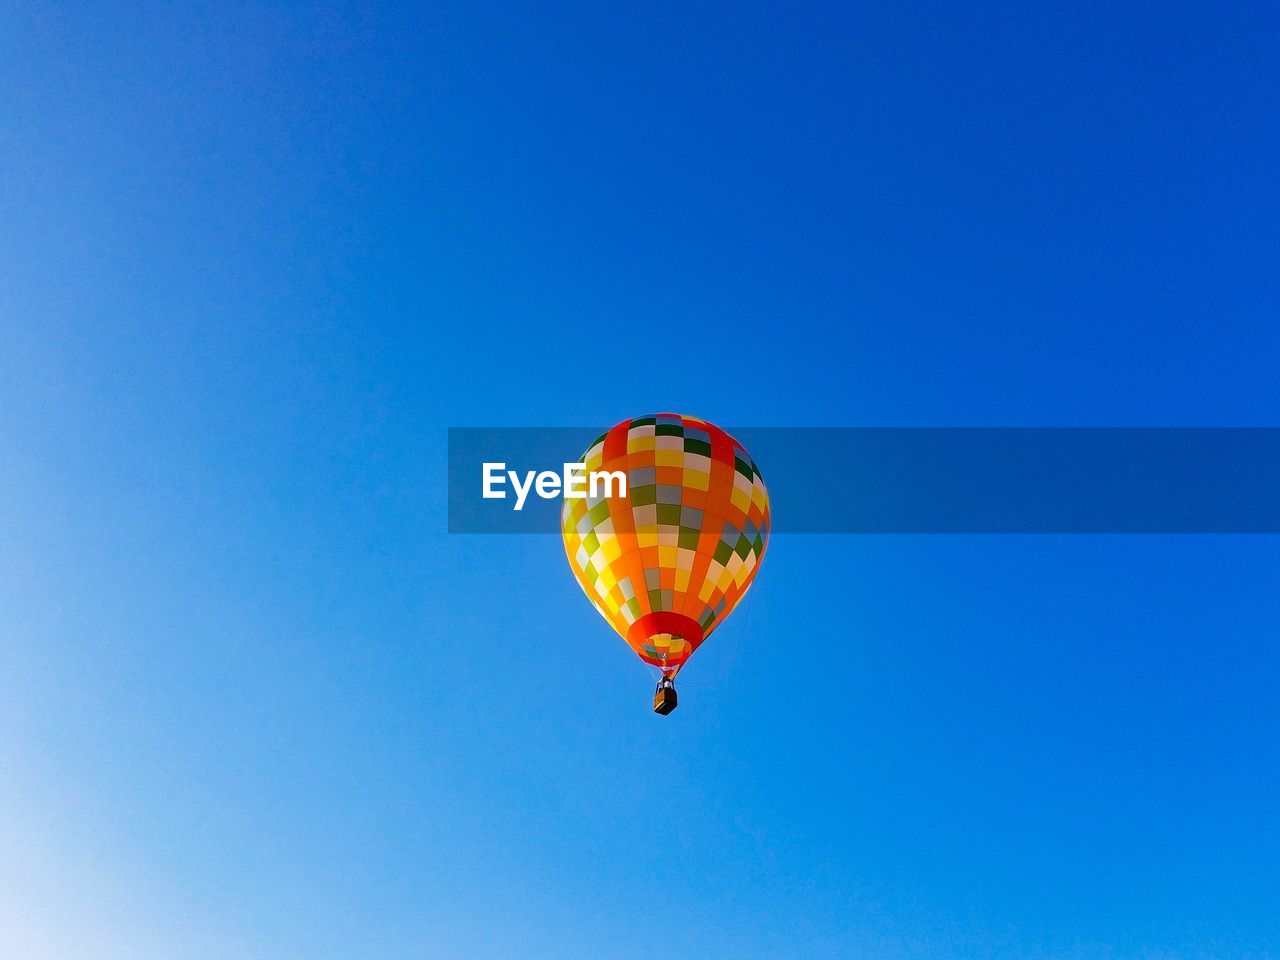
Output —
(255, 259)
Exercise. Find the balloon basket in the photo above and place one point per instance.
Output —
(664, 698)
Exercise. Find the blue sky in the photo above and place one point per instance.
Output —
(256, 259)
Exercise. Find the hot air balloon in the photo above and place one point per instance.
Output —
(667, 562)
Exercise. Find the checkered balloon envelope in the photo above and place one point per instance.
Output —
(667, 561)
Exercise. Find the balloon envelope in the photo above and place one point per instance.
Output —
(666, 563)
